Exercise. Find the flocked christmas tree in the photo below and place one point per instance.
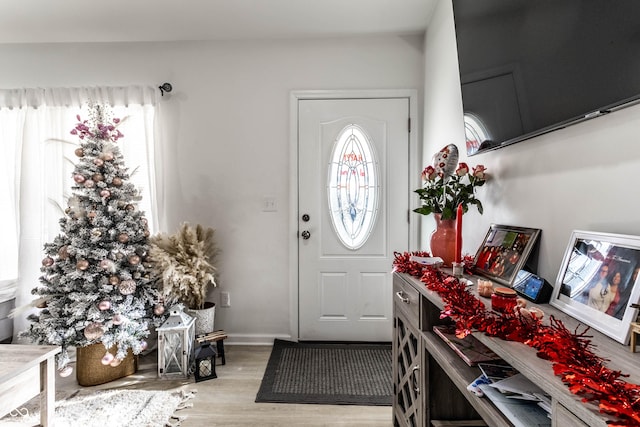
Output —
(96, 286)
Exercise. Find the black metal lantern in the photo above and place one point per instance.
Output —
(205, 362)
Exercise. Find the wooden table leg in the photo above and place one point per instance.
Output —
(47, 392)
(635, 329)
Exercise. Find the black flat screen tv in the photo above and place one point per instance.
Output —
(529, 67)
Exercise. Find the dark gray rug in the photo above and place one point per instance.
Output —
(326, 373)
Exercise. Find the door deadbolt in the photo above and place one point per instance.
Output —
(305, 234)
(306, 217)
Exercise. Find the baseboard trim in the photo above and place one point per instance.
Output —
(253, 339)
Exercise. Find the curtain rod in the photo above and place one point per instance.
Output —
(165, 87)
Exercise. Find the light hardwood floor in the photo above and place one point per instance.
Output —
(229, 400)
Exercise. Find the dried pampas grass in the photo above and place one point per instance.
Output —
(184, 264)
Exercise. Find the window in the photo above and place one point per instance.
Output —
(36, 160)
(353, 187)
(9, 200)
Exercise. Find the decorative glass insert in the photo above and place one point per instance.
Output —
(353, 187)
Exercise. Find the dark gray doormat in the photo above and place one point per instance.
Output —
(328, 373)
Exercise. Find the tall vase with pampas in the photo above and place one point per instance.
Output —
(185, 264)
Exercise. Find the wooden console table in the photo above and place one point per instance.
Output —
(25, 372)
(430, 379)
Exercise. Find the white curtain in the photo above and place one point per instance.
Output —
(37, 159)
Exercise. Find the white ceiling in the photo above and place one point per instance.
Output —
(43, 21)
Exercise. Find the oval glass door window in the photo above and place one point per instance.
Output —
(352, 187)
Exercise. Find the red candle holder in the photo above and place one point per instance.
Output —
(504, 300)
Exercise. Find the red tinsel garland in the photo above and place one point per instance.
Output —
(571, 354)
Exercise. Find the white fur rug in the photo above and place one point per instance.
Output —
(131, 408)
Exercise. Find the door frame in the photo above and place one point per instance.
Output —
(414, 176)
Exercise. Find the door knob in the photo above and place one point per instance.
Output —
(306, 234)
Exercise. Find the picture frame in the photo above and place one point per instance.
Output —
(598, 282)
(504, 252)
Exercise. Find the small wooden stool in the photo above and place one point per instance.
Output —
(635, 329)
(218, 337)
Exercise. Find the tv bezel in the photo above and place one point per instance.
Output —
(587, 115)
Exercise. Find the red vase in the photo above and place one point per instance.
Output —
(443, 240)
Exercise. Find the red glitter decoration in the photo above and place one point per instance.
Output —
(571, 353)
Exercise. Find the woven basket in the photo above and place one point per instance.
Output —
(90, 370)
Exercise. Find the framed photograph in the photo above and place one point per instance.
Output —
(504, 251)
(598, 282)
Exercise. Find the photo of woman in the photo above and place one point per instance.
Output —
(602, 278)
(598, 282)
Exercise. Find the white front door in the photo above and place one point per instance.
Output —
(353, 202)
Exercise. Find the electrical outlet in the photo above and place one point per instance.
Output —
(269, 204)
(225, 299)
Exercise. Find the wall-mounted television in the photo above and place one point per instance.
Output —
(530, 67)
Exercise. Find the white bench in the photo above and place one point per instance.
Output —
(25, 372)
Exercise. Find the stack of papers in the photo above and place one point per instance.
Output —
(521, 412)
(520, 400)
(518, 387)
(496, 372)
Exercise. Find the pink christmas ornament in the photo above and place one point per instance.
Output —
(118, 319)
(158, 309)
(79, 152)
(47, 262)
(127, 287)
(105, 264)
(98, 162)
(107, 358)
(82, 264)
(117, 181)
(79, 178)
(114, 280)
(65, 372)
(105, 193)
(104, 305)
(123, 237)
(134, 260)
(93, 331)
(108, 156)
(89, 183)
(98, 177)
(115, 362)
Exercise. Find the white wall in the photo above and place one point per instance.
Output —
(582, 177)
(227, 144)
